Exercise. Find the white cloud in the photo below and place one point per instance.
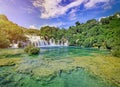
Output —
(107, 6)
(52, 8)
(73, 14)
(92, 3)
(27, 9)
(58, 24)
(33, 27)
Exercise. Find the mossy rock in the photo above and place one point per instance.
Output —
(31, 50)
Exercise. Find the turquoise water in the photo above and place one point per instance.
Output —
(54, 52)
(10, 77)
(68, 52)
(76, 78)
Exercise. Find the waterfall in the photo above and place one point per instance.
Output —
(38, 42)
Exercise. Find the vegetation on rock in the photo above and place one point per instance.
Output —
(31, 50)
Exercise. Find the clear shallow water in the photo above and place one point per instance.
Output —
(76, 78)
(67, 52)
(54, 52)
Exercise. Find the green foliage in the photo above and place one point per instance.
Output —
(27, 48)
(20, 45)
(4, 41)
(48, 32)
(116, 51)
(103, 34)
(105, 20)
(3, 17)
(77, 23)
(31, 50)
(13, 31)
(34, 51)
(88, 42)
(116, 42)
(31, 31)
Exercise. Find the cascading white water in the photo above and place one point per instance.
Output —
(38, 42)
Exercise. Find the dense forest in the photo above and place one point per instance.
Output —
(104, 33)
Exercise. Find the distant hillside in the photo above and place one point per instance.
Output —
(101, 34)
(11, 32)
(3, 17)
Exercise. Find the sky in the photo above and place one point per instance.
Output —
(58, 13)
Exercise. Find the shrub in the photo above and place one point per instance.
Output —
(116, 51)
(27, 48)
(4, 41)
(20, 45)
(31, 50)
(34, 51)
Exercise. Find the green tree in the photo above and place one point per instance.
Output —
(4, 41)
(77, 23)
